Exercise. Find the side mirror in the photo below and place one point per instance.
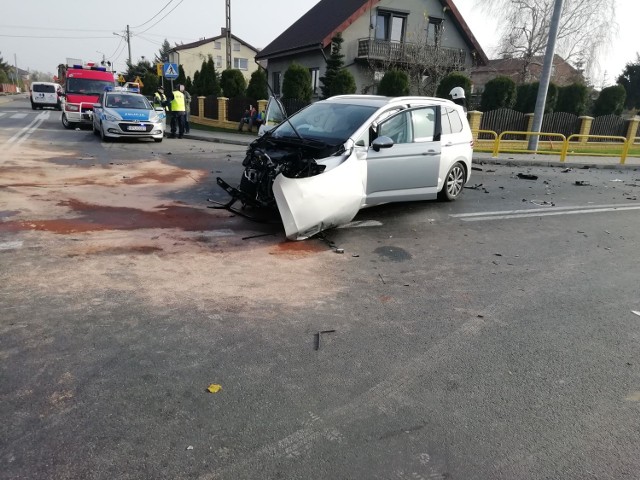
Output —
(382, 142)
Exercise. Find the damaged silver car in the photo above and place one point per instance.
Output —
(323, 164)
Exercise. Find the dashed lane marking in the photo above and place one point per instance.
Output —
(18, 115)
(542, 212)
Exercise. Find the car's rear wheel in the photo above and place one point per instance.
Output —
(453, 183)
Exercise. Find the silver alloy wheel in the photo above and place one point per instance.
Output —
(454, 182)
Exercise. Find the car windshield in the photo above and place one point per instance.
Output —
(128, 101)
(87, 86)
(329, 122)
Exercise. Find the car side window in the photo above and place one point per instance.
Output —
(397, 128)
(424, 123)
(446, 125)
(456, 122)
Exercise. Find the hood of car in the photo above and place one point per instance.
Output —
(131, 114)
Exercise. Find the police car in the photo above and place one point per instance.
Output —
(122, 113)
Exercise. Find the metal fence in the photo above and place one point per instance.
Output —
(237, 106)
(609, 125)
(292, 105)
(211, 107)
(503, 120)
(560, 122)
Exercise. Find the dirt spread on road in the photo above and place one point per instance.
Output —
(116, 228)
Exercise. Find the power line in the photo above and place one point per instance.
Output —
(162, 18)
(53, 28)
(42, 36)
(114, 52)
(142, 24)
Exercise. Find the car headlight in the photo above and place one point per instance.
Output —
(155, 119)
(110, 117)
(71, 107)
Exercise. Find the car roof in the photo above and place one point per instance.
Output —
(45, 83)
(380, 101)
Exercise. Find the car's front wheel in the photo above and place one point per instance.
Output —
(103, 136)
(66, 123)
(453, 183)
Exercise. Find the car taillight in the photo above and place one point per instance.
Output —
(69, 107)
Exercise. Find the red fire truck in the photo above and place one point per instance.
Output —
(83, 84)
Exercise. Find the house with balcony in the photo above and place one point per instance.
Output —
(191, 55)
(424, 37)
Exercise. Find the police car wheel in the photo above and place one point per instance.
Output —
(103, 136)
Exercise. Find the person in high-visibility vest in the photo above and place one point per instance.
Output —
(177, 113)
(160, 99)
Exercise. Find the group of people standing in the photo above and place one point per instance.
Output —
(178, 107)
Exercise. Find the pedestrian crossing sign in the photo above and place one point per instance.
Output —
(170, 71)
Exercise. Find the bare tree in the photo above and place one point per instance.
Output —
(586, 29)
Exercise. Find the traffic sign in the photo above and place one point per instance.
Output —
(159, 69)
(139, 82)
(170, 71)
(121, 78)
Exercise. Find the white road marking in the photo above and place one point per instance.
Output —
(542, 212)
(11, 245)
(2, 113)
(18, 115)
(23, 134)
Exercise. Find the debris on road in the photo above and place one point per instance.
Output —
(635, 312)
(190, 447)
(477, 169)
(615, 180)
(527, 176)
(355, 255)
(475, 187)
(582, 183)
(490, 171)
(543, 203)
(214, 388)
(318, 335)
(567, 170)
(339, 250)
(258, 236)
(384, 283)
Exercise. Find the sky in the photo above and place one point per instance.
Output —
(85, 29)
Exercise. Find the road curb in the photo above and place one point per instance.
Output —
(218, 140)
(547, 163)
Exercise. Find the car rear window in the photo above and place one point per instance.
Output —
(456, 122)
(44, 88)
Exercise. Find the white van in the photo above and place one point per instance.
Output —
(45, 94)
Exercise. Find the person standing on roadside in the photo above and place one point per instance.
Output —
(159, 98)
(177, 105)
(187, 112)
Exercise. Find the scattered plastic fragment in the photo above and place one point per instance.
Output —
(498, 254)
(567, 170)
(190, 447)
(317, 337)
(355, 255)
(475, 187)
(615, 180)
(635, 312)
(543, 204)
(478, 169)
(339, 250)
(582, 183)
(214, 388)
(527, 176)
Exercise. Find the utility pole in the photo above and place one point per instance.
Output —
(129, 43)
(545, 77)
(228, 33)
(15, 62)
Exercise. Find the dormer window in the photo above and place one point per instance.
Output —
(391, 25)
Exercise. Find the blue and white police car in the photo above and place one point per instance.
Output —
(122, 113)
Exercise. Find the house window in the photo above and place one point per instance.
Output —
(276, 83)
(315, 78)
(390, 26)
(218, 45)
(219, 61)
(236, 47)
(434, 30)
(241, 63)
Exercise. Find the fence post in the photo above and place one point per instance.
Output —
(223, 103)
(585, 129)
(632, 131)
(201, 107)
(529, 117)
(475, 118)
(262, 105)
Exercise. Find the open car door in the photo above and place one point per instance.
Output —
(312, 204)
(274, 115)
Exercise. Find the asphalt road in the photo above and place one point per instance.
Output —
(493, 337)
